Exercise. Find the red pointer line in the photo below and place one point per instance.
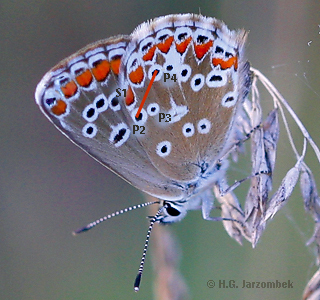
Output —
(155, 72)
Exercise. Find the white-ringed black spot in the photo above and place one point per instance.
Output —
(89, 130)
(185, 72)
(216, 78)
(197, 82)
(151, 72)
(118, 137)
(101, 103)
(229, 99)
(142, 118)
(119, 134)
(188, 129)
(153, 109)
(139, 117)
(204, 126)
(228, 54)
(90, 113)
(163, 148)
(114, 102)
(169, 68)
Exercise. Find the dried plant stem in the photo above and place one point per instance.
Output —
(168, 282)
(279, 99)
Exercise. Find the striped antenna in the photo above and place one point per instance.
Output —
(117, 213)
(152, 222)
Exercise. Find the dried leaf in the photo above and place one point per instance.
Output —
(280, 198)
(271, 137)
(231, 209)
(310, 194)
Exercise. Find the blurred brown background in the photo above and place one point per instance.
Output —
(49, 187)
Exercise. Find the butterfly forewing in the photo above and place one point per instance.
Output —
(79, 96)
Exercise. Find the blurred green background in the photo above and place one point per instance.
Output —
(49, 187)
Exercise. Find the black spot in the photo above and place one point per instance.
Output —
(228, 54)
(120, 135)
(50, 101)
(219, 50)
(139, 118)
(89, 130)
(201, 39)
(97, 62)
(188, 130)
(197, 81)
(216, 78)
(64, 81)
(164, 149)
(153, 109)
(146, 47)
(163, 37)
(172, 211)
(182, 36)
(184, 72)
(115, 57)
(114, 101)
(100, 103)
(169, 68)
(79, 71)
(90, 112)
(229, 99)
(155, 70)
(203, 126)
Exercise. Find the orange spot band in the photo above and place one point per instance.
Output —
(115, 65)
(130, 97)
(60, 108)
(226, 64)
(202, 49)
(165, 45)
(101, 70)
(137, 75)
(84, 79)
(181, 48)
(149, 55)
(69, 89)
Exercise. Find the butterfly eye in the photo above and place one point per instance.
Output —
(173, 212)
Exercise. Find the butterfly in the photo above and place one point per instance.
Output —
(175, 147)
